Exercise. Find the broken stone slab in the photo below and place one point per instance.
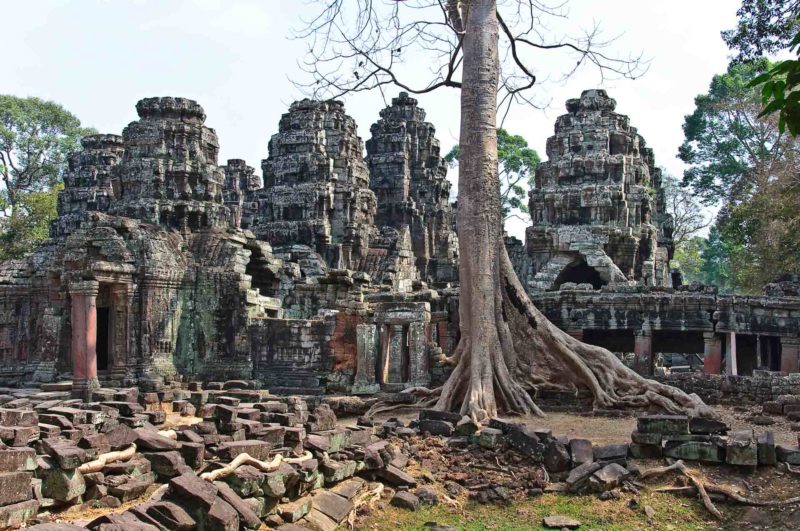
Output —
(63, 485)
(608, 477)
(18, 417)
(135, 466)
(247, 517)
(788, 455)
(766, 449)
(611, 452)
(17, 459)
(293, 511)
(166, 464)
(578, 477)
(348, 489)
(436, 427)
(663, 424)
(581, 451)
(556, 457)
(332, 505)
(396, 477)
(560, 522)
(171, 515)
(15, 487)
(526, 441)
(645, 451)
(646, 438)
(191, 489)
(741, 449)
(705, 426)
(221, 517)
(405, 500)
(257, 449)
(18, 514)
(66, 454)
(246, 481)
(446, 416)
(149, 439)
(319, 521)
(696, 451)
(133, 488)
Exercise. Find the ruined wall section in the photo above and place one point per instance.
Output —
(316, 186)
(169, 174)
(409, 178)
(88, 182)
(598, 207)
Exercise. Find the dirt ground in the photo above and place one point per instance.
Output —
(615, 430)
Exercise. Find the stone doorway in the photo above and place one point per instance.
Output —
(103, 337)
(580, 272)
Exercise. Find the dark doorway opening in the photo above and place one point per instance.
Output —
(580, 273)
(103, 337)
(613, 340)
(747, 358)
(679, 348)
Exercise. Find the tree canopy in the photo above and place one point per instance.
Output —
(36, 137)
(764, 27)
(517, 166)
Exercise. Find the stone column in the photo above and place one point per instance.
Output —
(730, 354)
(790, 352)
(366, 354)
(712, 358)
(83, 297)
(643, 352)
(120, 331)
(396, 355)
(386, 339)
(418, 372)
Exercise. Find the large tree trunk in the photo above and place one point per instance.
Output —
(507, 348)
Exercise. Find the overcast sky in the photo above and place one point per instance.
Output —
(236, 58)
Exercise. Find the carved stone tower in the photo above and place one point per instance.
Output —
(408, 176)
(316, 185)
(598, 206)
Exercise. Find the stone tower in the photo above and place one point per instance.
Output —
(408, 176)
(598, 205)
(88, 182)
(169, 174)
(316, 186)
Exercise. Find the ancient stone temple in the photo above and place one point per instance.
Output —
(161, 266)
(316, 185)
(408, 176)
(598, 207)
(596, 259)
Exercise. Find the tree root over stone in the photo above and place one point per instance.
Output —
(247, 459)
(532, 354)
(701, 489)
(106, 458)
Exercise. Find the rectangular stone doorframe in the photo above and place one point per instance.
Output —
(83, 312)
(121, 325)
(790, 354)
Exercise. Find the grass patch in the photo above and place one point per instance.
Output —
(671, 513)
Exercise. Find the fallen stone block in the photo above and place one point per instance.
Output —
(578, 477)
(63, 485)
(405, 500)
(247, 517)
(788, 455)
(741, 449)
(133, 488)
(396, 477)
(257, 449)
(556, 456)
(766, 449)
(696, 451)
(611, 452)
(17, 459)
(436, 427)
(150, 440)
(663, 424)
(166, 464)
(581, 451)
(295, 510)
(221, 517)
(172, 516)
(446, 416)
(18, 514)
(191, 489)
(15, 487)
(608, 477)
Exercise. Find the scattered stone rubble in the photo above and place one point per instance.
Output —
(51, 444)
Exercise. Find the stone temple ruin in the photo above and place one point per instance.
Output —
(339, 272)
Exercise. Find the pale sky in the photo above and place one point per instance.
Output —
(236, 58)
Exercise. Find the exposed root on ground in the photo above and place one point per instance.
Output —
(701, 489)
(246, 459)
(109, 457)
(367, 498)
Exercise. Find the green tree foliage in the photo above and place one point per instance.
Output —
(687, 213)
(517, 166)
(36, 136)
(780, 90)
(764, 27)
(688, 256)
(715, 266)
(726, 143)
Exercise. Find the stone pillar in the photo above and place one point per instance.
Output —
(790, 354)
(712, 358)
(120, 331)
(83, 297)
(418, 372)
(386, 339)
(396, 355)
(730, 354)
(366, 357)
(643, 352)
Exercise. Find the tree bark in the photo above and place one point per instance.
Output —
(508, 349)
